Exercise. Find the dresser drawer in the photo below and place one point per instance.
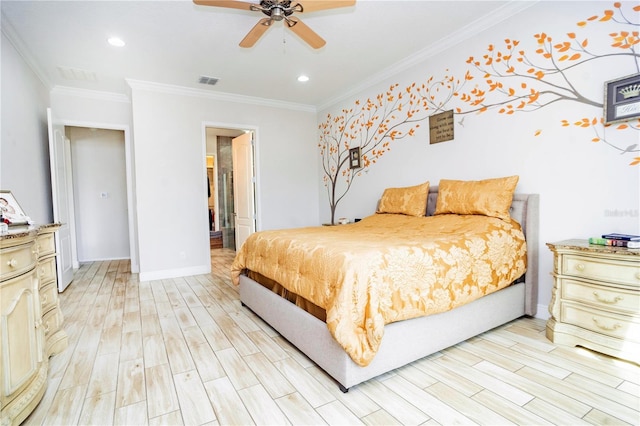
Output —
(46, 244)
(51, 322)
(47, 271)
(48, 297)
(603, 269)
(610, 298)
(17, 260)
(610, 324)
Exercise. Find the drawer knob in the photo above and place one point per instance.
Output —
(580, 267)
(12, 263)
(607, 327)
(599, 298)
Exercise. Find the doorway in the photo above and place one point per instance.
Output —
(62, 182)
(224, 195)
(99, 188)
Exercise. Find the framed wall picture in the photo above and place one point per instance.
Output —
(11, 210)
(354, 158)
(622, 99)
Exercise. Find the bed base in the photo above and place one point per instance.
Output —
(409, 340)
(428, 334)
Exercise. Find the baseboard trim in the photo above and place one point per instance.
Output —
(543, 312)
(174, 273)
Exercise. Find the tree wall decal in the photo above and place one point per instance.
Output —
(372, 126)
(510, 81)
(513, 81)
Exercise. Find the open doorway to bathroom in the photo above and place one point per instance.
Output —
(222, 199)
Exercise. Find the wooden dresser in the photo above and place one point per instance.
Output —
(596, 298)
(30, 319)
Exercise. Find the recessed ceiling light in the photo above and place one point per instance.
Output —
(115, 41)
(303, 78)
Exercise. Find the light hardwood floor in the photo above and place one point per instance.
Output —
(184, 351)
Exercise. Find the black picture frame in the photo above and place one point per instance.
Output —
(622, 99)
(355, 158)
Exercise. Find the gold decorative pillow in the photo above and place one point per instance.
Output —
(489, 197)
(411, 200)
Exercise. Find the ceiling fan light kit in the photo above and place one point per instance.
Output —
(280, 10)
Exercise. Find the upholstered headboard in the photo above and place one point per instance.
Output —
(525, 210)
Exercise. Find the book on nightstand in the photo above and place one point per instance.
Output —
(617, 240)
(623, 237)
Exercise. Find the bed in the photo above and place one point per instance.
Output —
(402, 340)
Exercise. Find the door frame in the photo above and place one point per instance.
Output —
(256, 164)
(131, 213)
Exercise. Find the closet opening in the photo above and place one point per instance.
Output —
(99, 193)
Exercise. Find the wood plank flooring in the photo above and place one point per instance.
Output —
(184, 351)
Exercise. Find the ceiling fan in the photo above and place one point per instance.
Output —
(281, 10)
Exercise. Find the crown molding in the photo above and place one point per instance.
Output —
(485, 22)
(219, 96)
(90, 94)
(11, 34)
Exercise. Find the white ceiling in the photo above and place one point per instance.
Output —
(176, 42)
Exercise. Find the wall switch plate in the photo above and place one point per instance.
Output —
(104, 195)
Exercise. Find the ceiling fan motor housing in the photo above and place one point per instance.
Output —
(279, 10)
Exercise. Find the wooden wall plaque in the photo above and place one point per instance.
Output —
(441, 127)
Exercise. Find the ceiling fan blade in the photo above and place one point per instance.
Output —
(305, 33)
(256, 32)
(312, 6)
(221, 3)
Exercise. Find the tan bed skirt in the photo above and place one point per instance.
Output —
(292, 297)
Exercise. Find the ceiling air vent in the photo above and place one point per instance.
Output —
(69, 73)
(211, 81)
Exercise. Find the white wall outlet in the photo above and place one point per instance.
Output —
(104, 195)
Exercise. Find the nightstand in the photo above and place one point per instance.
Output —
(595, 301)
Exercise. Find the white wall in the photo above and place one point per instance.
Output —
(99, 193)
(86, 107)
(24, 151)
(585, 188)
(171, 180)
(167, 157)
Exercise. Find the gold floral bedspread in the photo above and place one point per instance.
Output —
(387, 268)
